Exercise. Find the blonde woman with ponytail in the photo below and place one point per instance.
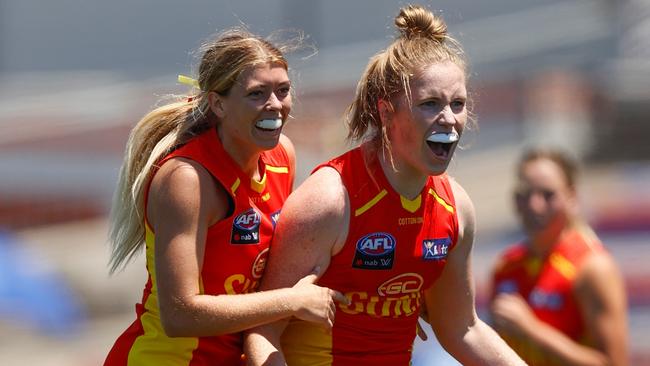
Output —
(200, 191)
(389, 228)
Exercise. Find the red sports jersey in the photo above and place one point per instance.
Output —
(395, 249)
(547, 286)
(236, 249)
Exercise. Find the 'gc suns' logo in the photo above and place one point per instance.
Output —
(405, 283)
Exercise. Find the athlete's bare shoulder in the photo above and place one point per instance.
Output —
(319, 207)
(174, 192)
(465, 209)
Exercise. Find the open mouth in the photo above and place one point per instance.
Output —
(441, 143)
(269, 124)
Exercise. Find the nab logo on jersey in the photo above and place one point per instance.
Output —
(246, 228)
(375, 251)
(435, 249)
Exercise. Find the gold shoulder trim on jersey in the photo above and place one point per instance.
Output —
(234, 186)
(277, 169)
(411, 205)
(447, 206)
(258, 186)
(370, 203)
(563, 265)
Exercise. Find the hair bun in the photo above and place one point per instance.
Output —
(416, 21)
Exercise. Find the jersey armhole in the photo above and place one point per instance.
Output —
(217, 185)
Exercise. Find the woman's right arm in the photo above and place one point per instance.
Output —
(313, 226)
(182, 204)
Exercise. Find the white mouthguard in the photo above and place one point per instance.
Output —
(445, 138)
(269, 124)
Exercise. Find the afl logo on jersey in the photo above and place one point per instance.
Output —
(375, 251)
(248, 220)
(376, 244)
(246, 227)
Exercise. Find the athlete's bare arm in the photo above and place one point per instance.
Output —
(450, 301)
(600, 295)
(180, 218)
(312, 227)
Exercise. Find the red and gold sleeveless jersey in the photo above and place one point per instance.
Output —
(547, 285)
(236, 250)
(395, 249)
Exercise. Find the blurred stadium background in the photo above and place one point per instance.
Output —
(76, 75)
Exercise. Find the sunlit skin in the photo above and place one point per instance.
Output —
(262, 92)
(438, 98)
(545, 203)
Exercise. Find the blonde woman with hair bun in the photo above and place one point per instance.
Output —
(200, 191)
(387, 225)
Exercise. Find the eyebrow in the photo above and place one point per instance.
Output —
(432, 93)
(265, 85)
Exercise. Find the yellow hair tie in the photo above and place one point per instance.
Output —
(188, 81)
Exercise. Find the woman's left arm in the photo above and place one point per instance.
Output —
(450, 301)
(601, 296)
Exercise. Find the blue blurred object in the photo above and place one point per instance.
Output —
(33, 295)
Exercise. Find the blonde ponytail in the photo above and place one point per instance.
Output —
(154, 136)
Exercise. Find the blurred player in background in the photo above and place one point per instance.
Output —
(558, 297)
